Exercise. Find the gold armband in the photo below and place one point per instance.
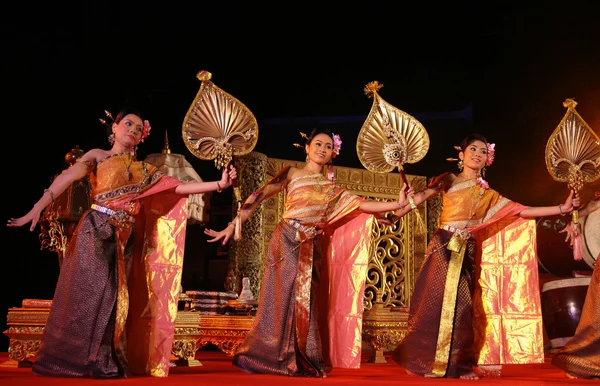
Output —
(51, 193)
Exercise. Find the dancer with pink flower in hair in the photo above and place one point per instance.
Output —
(112, 311)
(476, 298)
(309, 314)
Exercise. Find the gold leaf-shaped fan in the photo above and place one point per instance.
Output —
(389, 137)
(218, 126)
(573, 151)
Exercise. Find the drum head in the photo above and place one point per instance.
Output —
(590, 243)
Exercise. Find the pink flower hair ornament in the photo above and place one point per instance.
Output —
(145, 130)
(491, 148)
(337, 145)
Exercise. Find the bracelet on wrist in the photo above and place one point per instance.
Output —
(560, 210)
(219, 189)
(411, 201)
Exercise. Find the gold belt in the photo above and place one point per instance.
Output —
(303, 232)
(462, 232)
(458, 239)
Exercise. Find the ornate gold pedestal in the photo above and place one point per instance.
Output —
(187, 336)
(383, 328)
(225, 332)
(192, 331)
(25, 326)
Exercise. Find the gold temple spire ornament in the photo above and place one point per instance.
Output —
(166, 149)
(573, 152)
(390, 137)
(219, 127)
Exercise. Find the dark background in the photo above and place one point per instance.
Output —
(499, 68)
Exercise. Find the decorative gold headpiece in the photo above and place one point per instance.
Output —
(109, 116)
(303, 135)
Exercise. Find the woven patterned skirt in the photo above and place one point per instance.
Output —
(580, 357)
(417, 351)
(272, 344)
(78, 336)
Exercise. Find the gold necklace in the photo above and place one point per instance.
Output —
(127, 173)
(475, 196)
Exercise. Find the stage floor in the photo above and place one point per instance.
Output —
(217, 369)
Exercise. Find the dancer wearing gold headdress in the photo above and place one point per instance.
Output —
(322, 226)
(480, 266)
(580, 356)
(105, 322)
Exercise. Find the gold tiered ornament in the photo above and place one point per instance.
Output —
(390, 138)
(218, 127)
(573, 153)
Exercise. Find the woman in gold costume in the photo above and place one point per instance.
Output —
(310, 307)
(476, 298)
(114, 307)
(580, 357)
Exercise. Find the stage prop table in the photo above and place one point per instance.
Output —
(192, 332)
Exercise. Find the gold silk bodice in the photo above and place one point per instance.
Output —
(315, 200)
(467, 204)
(119, 176)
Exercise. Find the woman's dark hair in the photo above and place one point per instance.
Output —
(126, 111)
(472, 138)
(316, 131)
(122, 114)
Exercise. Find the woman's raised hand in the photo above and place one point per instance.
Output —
(405, 192)
(572, 202)
(223, 235)
(229, 174)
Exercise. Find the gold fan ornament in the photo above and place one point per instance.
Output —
(573, 152)
(219, 127)
(390, 137)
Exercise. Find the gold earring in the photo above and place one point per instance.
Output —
(307, 158)
(460, 165)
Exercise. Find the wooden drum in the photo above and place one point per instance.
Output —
(562, 302)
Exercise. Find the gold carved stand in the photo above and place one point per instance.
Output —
(26, 324)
